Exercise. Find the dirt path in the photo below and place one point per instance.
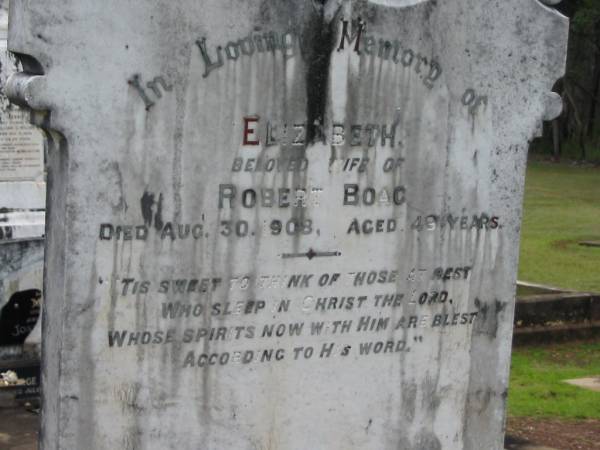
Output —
(558, 434)
(18, 429)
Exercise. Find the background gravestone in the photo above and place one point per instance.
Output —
(283, 225)
(22, 202)
(21, 144)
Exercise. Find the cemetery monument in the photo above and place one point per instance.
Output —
(286, 224)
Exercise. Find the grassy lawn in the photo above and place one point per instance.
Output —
(562, 208)
(537, 387)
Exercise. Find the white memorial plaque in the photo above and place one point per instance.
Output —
(21, 148)
(283, 225)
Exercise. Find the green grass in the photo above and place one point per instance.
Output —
(537, 382)
(562, 208)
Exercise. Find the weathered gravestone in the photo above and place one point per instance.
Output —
(283, 225)
(22, 200)
(21, 144)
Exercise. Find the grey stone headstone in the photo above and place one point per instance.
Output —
(22, 200)
(283, 225)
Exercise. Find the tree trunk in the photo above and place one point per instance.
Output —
(595, 92)
(556, 138)
(591, 123)
(580, 124)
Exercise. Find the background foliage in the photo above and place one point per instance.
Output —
(576, 133)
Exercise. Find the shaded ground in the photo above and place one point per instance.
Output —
(18, 429)
(557, 434)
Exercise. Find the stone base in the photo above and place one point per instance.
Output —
(592, 384)
(590, 243)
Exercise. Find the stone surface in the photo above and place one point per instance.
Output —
(590, 243)
(265, 235)
(593, 384)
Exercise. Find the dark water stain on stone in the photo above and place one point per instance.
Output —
(86, 385)
(500, 306)
(114, 292)
(427, 441)
(368, 426)
(178, 138)
(482, 308)
(121, 205)
(158, 220)
(265, 13)
(409, 401)
(430, 7)
(489, 321)
(403, 443)
(318, 43)
(431, 400)
(147, 205)
(479, 401)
